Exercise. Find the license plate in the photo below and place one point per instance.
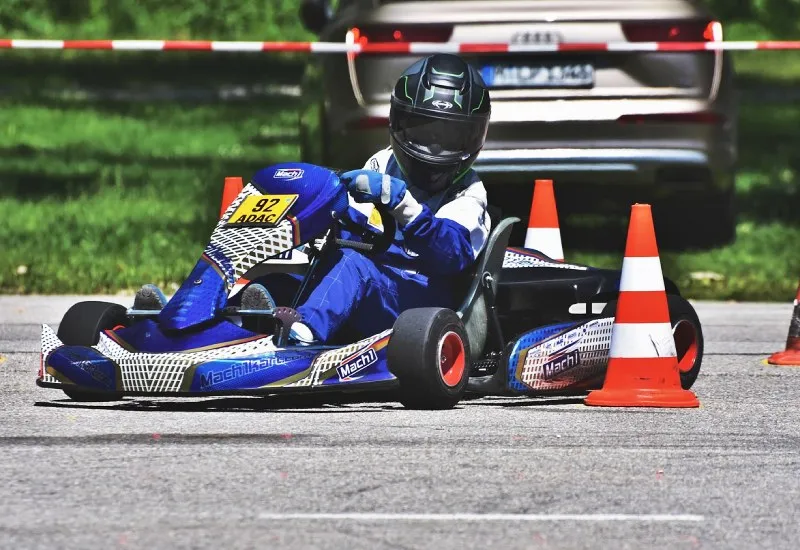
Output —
(261, 210)
(567, 75)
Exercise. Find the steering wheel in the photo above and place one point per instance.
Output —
(371, 243)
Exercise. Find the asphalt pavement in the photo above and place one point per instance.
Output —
(494, 473)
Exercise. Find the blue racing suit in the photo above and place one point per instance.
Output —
(437, 237)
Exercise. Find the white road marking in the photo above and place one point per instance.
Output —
(372, 516)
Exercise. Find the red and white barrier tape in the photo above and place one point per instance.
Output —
(390, 47)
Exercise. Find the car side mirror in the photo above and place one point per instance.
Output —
(315, 14)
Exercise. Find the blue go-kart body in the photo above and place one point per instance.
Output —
(528, 325)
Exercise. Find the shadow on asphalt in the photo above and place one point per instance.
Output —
(293, 403)
(511, 402)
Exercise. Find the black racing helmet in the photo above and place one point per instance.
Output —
(438, 120)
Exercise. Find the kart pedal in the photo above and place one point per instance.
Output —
(285, 317)
(149, 298)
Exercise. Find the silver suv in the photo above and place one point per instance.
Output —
(655, 127)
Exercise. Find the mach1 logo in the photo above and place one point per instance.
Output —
(288, 174)
(356, 364)
(244, 368)
(561, 364)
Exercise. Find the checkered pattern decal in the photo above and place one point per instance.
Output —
(514, 259)
(329, 360)
(547, 364)
(158, 372)
(49, 342)
(163, 372)
(236, 250)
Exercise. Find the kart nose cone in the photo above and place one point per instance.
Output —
(84, 367)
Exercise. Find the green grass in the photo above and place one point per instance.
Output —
(763, 68)
(179, 19)
(96, 198)
(101, 197)
(763, 264)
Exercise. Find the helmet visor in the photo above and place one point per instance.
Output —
(439, 138)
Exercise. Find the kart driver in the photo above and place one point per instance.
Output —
(437, 126)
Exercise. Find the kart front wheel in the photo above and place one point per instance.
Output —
(687, 334)
(429, 354)
(81, 326)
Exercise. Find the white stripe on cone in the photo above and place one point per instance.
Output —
(546, 240)
(641, 274)
(642, 340)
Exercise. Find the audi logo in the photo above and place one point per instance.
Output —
(535, 37)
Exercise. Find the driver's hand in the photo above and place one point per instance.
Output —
(374, 187)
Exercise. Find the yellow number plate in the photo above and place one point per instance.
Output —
(375, 219)
(266, 210)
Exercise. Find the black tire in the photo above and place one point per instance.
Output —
(688, 335)
(81, 326)
(431, 378)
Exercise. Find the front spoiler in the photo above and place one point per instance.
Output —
(250, 367)
(385, 385)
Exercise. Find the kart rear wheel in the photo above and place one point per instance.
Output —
(81, 326)
(429, 354)
(687, 333)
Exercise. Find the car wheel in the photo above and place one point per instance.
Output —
(81, 326)
(686, 332)
(429, 354)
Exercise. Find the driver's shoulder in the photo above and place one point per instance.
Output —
(471, 186)
(379, 162)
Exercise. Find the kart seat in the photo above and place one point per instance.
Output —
(474, 310)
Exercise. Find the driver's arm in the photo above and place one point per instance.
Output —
(446, 242)
(449, 241)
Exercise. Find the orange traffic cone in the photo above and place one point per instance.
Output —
(543, 232)
(233, 186)
(643, 364)
(790, 357)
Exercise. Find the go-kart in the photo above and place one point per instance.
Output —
(526, 325)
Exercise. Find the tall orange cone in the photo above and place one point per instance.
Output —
(233, 186)
(543, 232)
(790, 357)
(643, 364)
